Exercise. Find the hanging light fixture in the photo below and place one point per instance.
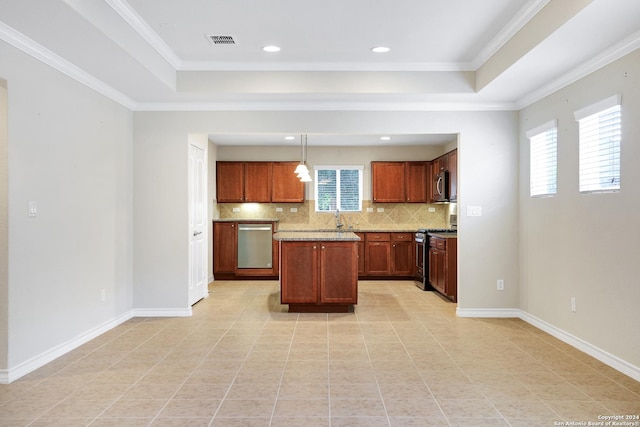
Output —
(301, 170)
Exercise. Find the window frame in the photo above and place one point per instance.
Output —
(338, 168)
(596, 111)
(540, 140)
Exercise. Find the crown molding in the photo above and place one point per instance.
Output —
(136, 22)
(41, 53)
(608, 56)
(324, 106)
(324, 66)
(525, 14)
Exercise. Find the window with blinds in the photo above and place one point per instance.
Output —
(338, 187)
(543, 152)
(600, 136)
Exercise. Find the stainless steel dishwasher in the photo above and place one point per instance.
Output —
(255, 245)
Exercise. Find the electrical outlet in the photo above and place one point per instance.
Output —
(103, 295)
(573, 304)
(380, 209)
(500, 285)
(236, 209)
(369, 209)
(432, 209)
(278, 209)
(33, 209)
(293, 210)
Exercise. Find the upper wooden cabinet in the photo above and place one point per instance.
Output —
(399, 182)
(453, 175)
(286, 186)
(230, 182)
(388, 182)
(416, 174)
(258, 182)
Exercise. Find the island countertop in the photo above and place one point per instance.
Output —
(316, 236)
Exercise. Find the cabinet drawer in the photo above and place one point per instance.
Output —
(401, 237)
(378, 237)
(439, 243)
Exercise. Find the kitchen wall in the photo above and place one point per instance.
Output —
(396, 216)
(585, 245)
(70, 150)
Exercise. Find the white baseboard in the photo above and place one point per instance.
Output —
(9, 375)
(488, 312)
(605, 357)
(162, 312)
(578, 343)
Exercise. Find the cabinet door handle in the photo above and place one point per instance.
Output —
(323, 247)
(314, 246)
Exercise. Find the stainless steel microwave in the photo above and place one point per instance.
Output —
(441, 187)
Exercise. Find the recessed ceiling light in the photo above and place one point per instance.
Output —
(385, 138)
(271, 48)
(380, 49)
(289, 138)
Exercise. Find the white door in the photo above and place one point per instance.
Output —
(197, 225)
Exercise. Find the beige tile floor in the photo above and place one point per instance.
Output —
(402, 359)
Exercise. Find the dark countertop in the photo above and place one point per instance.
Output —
(246, 220)
(315, 236)
(444, 235)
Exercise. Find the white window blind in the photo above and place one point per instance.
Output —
(600, 137)
(543, 175)
(338, 187)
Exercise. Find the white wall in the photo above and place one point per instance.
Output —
(4, 229)
(585, 245)
(488, 177)
(70, 150)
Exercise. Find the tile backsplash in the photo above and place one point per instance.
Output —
(395, 216)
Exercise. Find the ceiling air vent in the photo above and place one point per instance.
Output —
(221, 39)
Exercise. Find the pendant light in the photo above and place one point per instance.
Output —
(301, 170)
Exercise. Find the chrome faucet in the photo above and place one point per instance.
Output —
(339, 225)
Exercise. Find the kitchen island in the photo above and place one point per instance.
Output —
(318, 271)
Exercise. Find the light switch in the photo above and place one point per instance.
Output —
(474, 210)
(33, 209)
(293, 210)
(380, 209)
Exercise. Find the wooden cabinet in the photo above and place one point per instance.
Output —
(240, 182)
(286, 186)
(230, 182)
(225, 249)
(416, 181)
(378, 254)
(318, 276)
(443, 265)
(388, 182)
(453, 175)
(258, 182)
(388, 254)
(401, 254)
(399, 182)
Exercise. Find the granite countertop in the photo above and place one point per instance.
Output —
(352, 230)
(315, 236)
(246, 220)
(444, 235)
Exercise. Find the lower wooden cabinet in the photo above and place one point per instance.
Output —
(318, 274)
(225, 247)
(389, 254)
(443, 266)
